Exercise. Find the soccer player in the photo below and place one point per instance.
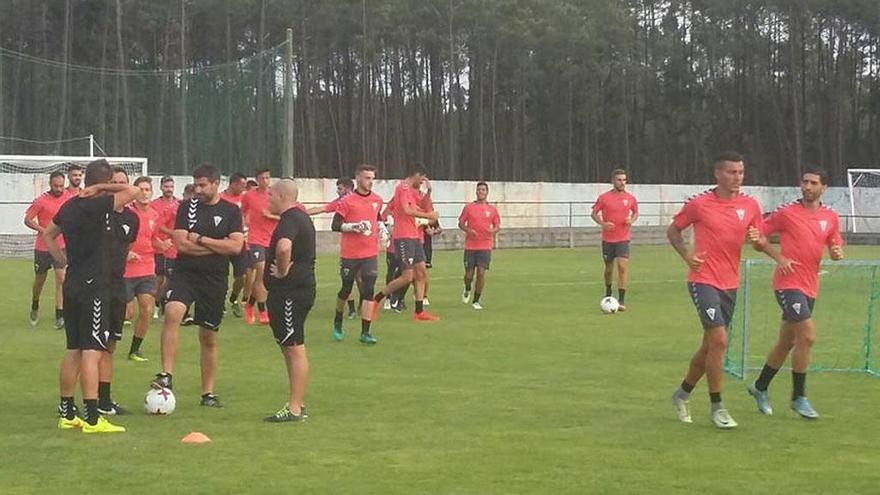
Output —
(355, 216)
(615, 211)
(290, 280)
(407, 205)
(234, 193)
(207, 232)
(86, 222)
(720, 217)
(140, 271)
(480, 222)
(261, 223)
(166, 206)
(805, 228)
(37, 217)
(74, 179)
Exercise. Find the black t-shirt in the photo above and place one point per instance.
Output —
(216, 221)
(296, 225)
(87, 227)
(124, 227)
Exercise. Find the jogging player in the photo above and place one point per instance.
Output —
(480, 222)
(261, 223)
(615, 211)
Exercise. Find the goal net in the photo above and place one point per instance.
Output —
(23, 178)
(844, 315)
(864, 197)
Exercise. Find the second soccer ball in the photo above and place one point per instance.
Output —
(609, 305)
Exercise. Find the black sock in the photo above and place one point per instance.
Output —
(104, 393)
(798, 383)
(365, 327)
(337, 320)
(233, 298)
(607, 290)
(378, 297)
(261, 306)
(58, 313)
(135, 344)
(90, 411)
(763, 381)
(715, 397)
(420, 306)
(252, 300)
(467, 286)
(687, 387)
(351, 306)
(477, 297)
(67, 407)
(35, 305)
(621, 294)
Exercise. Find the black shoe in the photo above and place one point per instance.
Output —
(162, 380)
(210, 400)
(112, 409)
(285, 416)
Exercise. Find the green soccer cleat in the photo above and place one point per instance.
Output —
(137, 357)
(284, 415)
(802, 406)
(368, 339)
(338, 334)
(762, 399)
(102, 426)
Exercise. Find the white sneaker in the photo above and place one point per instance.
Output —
(465, 297)
(722, 419)
(387, 304)
(426, 302)
(155, 313)
(682, 409)
(478, 306)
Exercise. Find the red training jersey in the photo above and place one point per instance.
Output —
(480, 217)
(142, 246)
(617, 208)
(353, 208)
(167, 219)
(404, 225)
(254, 207)
(44, 208)
(162, 206)
(720, 228)
(803, 233)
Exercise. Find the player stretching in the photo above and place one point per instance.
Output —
(37, 217)
(480, 222)
(166, 206)
(615, 211)
(407, 205)
(234, 193)
(86, 222)
(207, 232)
(721, 217)
(805, 227)
(261, 223)
(290, 279)
(356, 217)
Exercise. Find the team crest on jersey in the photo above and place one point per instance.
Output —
(217, 220)
(487, 213)
(741, 214)
(375, 205)
(823, 224)
(126, 228)
(152, 224)
(625, 202)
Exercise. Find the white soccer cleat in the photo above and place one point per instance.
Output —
(426, 302)
(466, 297)
(478, 306)
(722, 419)
(682, 409)
(387, 304)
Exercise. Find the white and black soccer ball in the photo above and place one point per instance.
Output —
(159, 401)
(609, 305)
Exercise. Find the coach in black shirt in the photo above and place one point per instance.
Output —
(290, 280)
(207, 232)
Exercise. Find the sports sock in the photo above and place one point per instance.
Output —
(621, 294)
(58, 313)
(35, 305)
(607, 290)
(104, 394)
(252, 300)
(337, 320)
(351, 306)
(767, 374)
(715, 397)
(365, 327)
(135, 344)
(261, 306)
(684, 391)
(90, 411)
(420, 306)
(798, 383)
(233, 298)
(467, 286)
(477, 297)
(67, 408)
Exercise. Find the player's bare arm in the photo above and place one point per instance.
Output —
(50, 233)
(693, 261)
(283, 253)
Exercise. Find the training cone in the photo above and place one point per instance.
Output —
(195, 437)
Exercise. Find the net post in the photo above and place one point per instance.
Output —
(872, 300)
(570, 228)
(747, 269)
(852, 202)
(91, 145)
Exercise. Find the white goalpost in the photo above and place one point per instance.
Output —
(864, 199)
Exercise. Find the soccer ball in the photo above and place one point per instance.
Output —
(609, 305)
(159, 401)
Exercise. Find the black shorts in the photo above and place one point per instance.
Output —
(349, 269)
(138, 286)
(796, 306)
(287, 315)
(614, 250)
(477, 258)
(410, 252)
(87, 319)
(256, 254)
(714, 306)
(164, 266)
(43, 261)
(240, 264)
(206, 290)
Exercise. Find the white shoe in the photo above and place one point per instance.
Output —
(387, 304)
(478, 306)
(722, 419)
(425, 302)
(682, 409)
(155, 313)
(465, 297)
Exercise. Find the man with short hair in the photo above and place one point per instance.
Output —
(261, 223)
(480, 222)
(207, 232)
(721, 217)
(290, 280)
(36, 218)
(87, 224)
(234, 193)
(615, 211)
(74, 179)
(166, 206)
(806, 227)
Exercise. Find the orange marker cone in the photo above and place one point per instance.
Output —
(195, 437)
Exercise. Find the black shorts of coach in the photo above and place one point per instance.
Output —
(288, 311)
(714, 306)
(796, 306)
(477, 258)
(207, 291)
(410, 252)
(614, 250)
(43, 261)
(89, 317)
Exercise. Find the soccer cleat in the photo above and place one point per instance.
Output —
(137, 357)
(162, 380)
(249, 316)
(368, 339)
(34, 317)
(352, 314)
(236, 310)
(762, 399)
(102, 426)
(466, 297)
(478, 306)
(155, 313)
(802, 406)
(284, 415)
(338, 334)
(59, 323)
(113, 409)
(722, 419)
(426, 302)
(264, 317)
(621, 308)
(682, 409)
(210, 400)
(387, 305)
(425, 316)
(68, 424)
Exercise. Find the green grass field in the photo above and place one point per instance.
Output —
(539, 393)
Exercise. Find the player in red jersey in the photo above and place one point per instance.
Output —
(261, 223)
(234, 193)
(480, 222)
(36, 218)
(74, 179)
(720, 218)
(806, 227)
(166, 206)
(615, 211)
